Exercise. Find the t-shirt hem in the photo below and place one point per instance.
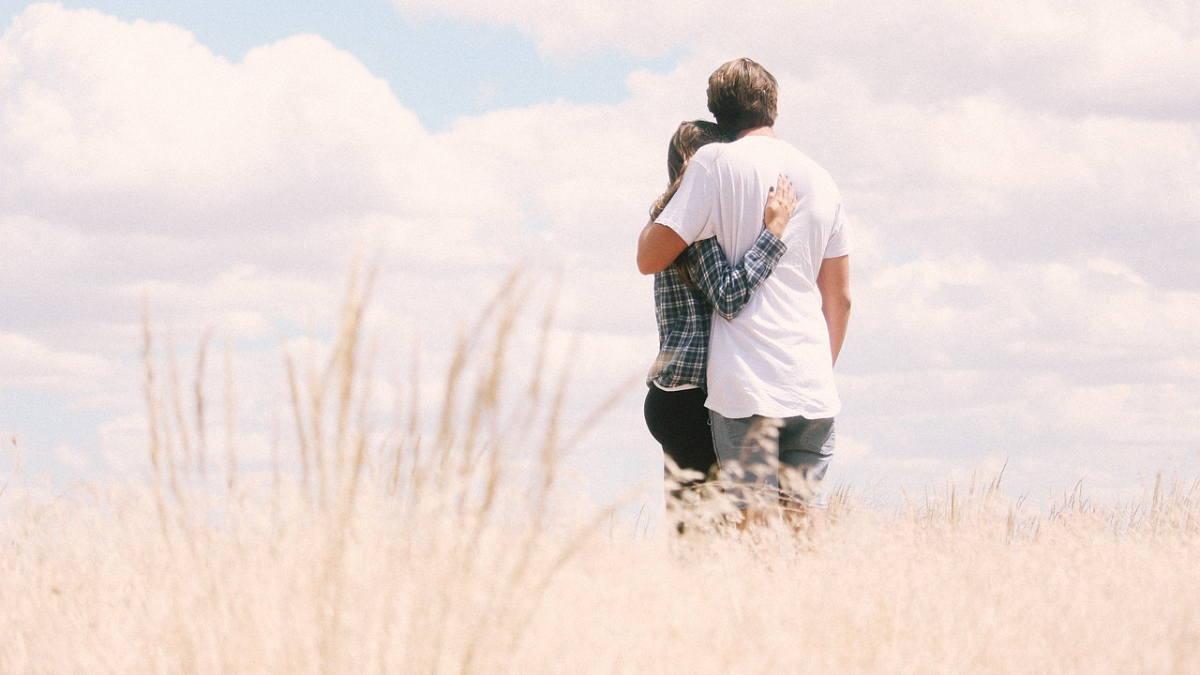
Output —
(837, 253)
(805, 412)
(678, 387)
(675, 227)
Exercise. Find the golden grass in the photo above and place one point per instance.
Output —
(398, 551)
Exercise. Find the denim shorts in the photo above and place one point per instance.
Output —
(774, 459)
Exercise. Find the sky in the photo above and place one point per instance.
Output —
(1022, 178)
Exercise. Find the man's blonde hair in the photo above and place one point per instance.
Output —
(742, 95)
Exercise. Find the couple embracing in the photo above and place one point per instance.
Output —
(749, 389)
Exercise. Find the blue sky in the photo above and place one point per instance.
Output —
(441, 68)
(1023, 180)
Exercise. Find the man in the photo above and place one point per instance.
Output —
(770, 368)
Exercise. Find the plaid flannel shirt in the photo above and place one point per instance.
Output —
(684, 312)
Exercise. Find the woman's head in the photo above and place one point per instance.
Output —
(688, 138)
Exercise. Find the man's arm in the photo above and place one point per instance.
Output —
(728, 287)
(658, 246)
(833, 281)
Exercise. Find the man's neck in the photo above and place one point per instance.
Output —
(769, 132)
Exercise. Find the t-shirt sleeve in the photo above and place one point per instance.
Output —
(841, 242)
(691, 207)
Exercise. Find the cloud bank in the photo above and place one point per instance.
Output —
(1024, 180)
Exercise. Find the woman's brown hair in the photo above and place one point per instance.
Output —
(688, 138)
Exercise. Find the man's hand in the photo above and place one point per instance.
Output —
(658, 246)
(834, 283)
(781, 203)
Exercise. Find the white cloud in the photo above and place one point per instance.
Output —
(1029, 129)
(1082, 365)
(977, 313)
(124, 443)
(1115, 55)
(136, 127)
(72, 459)
(980, 174)
(30, 364)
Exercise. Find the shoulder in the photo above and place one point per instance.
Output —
(708, 155)
(806, 169)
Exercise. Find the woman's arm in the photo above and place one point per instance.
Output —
(658, 246)
(728, 287)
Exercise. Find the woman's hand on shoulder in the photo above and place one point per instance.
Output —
(781, 203)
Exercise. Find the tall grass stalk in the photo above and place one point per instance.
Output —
(389, 549)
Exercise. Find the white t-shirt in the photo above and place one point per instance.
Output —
(773, 358)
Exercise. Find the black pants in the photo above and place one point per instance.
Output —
(678, 420)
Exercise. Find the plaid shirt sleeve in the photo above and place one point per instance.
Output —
(727, 287)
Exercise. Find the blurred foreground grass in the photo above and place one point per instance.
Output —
(408, 550)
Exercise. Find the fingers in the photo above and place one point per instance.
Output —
(784, 188)
(782, 192)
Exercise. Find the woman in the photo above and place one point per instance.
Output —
(685, 295)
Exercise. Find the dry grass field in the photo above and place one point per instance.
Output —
(446, 552)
